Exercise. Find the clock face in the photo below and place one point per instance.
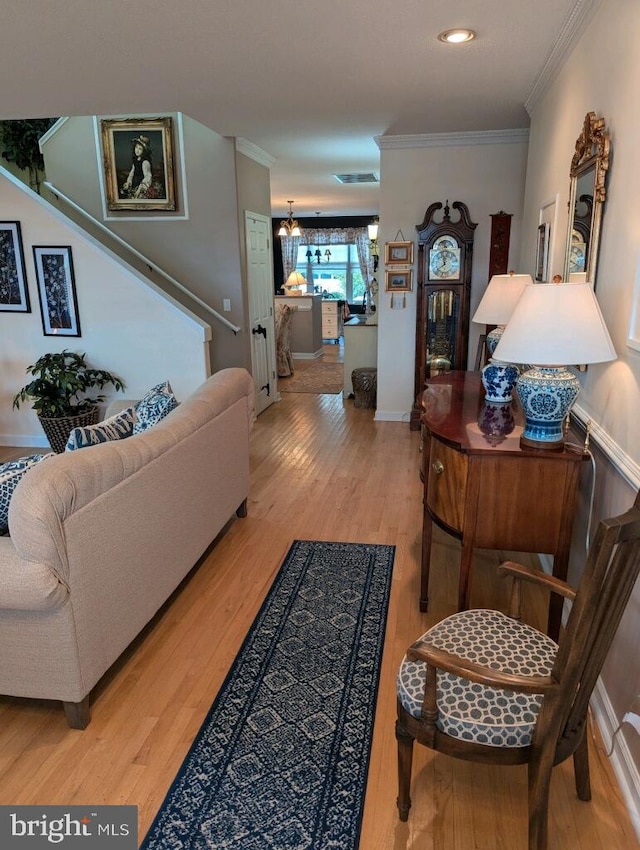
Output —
(444, 259)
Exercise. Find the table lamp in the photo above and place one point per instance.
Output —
(553, 325)
(294, 282)
(495, 308)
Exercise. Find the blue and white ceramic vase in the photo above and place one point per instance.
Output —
(498, 379)
(546, 394)
(496, 421)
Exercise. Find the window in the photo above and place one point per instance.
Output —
(337, 275)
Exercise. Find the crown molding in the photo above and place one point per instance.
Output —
(570, 33)
(439, 140)
(244, 146)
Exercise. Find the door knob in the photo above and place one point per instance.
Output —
(438, 467)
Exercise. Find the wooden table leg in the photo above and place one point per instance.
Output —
(464, 584)
(427, 536)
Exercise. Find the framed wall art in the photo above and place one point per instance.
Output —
(138, 163)
(57, 291)
(542, 252)
(398, 280)
(398, 253)
(14, 294)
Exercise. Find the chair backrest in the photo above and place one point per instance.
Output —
(611, 570)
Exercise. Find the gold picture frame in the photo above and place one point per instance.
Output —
(398, 280)
(138, 164)
(398, 253)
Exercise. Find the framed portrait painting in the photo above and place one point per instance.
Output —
(57, 291)
(14, 294)
(138, 163)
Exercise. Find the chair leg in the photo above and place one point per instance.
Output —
(539, 784)
(581, 768)
(405, 759)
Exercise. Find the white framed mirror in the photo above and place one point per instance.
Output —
(587, 194)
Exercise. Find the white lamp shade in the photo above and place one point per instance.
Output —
(296, 279)
(500, 298)
(556, 324)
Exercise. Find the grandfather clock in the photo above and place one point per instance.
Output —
(445, 253)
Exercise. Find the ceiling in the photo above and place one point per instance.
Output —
(310, 84)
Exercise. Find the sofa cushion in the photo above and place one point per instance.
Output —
(11, 473)
(154, 406)
(115, 428)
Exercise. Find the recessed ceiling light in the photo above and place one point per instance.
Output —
(457, 36)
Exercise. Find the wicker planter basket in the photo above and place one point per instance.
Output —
(57, 429)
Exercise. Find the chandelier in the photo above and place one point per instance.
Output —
(289, 227)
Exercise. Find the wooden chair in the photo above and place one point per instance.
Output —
(506, 693)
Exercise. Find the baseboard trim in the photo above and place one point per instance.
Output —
(621, 759)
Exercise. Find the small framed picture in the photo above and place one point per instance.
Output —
(542, 252)
(14, 294)
(138, 163)
(398, 253)
(57, 291)
(398, 280)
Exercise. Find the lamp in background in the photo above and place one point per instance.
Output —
(294, 282)
(495, 308)
(289, 227)
(553, 325)
(497, 304)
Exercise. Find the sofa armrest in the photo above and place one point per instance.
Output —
(25, 585)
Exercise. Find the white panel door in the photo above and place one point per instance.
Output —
(261, 292)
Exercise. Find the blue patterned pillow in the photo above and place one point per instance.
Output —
(11, 473)
(114, 428)
(154, 406)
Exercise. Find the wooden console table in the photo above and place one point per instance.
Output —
(483, 488)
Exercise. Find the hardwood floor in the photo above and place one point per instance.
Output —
(321, 469)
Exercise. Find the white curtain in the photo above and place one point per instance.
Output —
(289, 245)
(358, 236)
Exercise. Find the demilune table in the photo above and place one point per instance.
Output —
(481, 486)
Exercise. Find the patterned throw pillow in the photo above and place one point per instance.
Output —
(11, 473)
(114, 428)
(154, 406)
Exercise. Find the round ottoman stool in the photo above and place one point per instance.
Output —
(365, 385)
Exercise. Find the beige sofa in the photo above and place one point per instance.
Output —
(100, 537)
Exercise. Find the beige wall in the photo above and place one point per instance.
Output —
(199, 244)
(603, 75)
(487, 173)
(125, 323)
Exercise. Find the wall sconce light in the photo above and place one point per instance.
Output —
(289, 227)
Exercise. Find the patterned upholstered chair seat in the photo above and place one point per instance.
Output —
(474, 712)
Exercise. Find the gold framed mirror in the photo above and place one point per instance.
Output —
(587, 193)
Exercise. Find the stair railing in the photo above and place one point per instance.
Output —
(152, 265)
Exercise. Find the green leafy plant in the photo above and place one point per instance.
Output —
(20, 140)
(60, 385)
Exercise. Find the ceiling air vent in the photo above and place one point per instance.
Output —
(367, 177)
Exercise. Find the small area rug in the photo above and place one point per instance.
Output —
(281, 759)
(318, 378)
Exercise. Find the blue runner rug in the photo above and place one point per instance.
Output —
(281, 760)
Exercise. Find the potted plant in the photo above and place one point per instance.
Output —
(59, 394)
